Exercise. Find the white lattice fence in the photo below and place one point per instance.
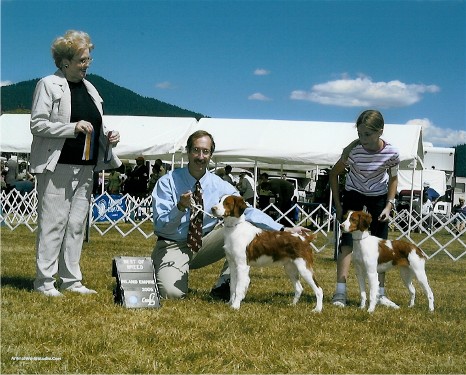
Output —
(438, 232)
(19, 209)
(434, 233)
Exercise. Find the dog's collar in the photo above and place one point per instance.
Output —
(231, 225)
(362, 237)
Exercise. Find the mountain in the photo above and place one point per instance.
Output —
(17, 98)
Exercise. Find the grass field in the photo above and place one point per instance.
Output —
(90, 334)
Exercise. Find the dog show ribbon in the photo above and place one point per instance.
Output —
(88, 146)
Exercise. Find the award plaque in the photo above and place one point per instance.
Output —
(135, 282)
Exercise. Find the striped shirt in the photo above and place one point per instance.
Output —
(368, 170)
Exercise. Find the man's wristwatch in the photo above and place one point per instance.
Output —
(392, 201)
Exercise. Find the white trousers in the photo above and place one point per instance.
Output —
(63, 206)
(173, 260)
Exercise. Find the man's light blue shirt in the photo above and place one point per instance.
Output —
(173, 224)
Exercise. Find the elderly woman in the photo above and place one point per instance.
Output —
(69, 142)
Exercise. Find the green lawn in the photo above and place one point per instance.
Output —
(90, 334)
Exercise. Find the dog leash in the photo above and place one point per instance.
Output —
(196, 208)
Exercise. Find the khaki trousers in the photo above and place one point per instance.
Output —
(63, 206)
(173, 260)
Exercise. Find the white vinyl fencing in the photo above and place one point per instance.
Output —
(435, 233)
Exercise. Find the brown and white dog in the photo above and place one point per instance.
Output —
(372, 255)
(247, 245)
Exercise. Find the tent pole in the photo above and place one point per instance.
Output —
(255, 183)
(329, 209)
(103, 181)
(411, 200)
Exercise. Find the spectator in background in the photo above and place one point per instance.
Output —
(136, 183)
(4, 172)
(427, 205)
(161, 169)
(157, 171)
(460, 209)
(220, 172)
(114, 182)
(246, 187)
(11, 172)
(432, 194)
(227, 176)
(283, 192)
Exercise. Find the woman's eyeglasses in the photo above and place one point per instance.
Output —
(86, 60)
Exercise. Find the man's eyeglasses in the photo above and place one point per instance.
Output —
(198, 151)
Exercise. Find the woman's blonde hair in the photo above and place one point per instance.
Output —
(68, 45)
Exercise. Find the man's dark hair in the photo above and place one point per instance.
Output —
(199, 134)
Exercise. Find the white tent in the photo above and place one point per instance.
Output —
(151, 137)
(439, 158)
(298, 143)
(15, 135)
(436, 179)
(294, 143)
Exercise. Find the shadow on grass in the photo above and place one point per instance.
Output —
(18, 282)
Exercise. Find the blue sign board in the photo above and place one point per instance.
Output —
(107, 208)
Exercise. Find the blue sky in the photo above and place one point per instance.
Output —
(287, 60)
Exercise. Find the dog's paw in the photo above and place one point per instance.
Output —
(235, 306)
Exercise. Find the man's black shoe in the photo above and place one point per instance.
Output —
(221, 292)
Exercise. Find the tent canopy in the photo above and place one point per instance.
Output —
(436, 179)
(151, 137)
(15, 134)
(293, 143)
(300, 142)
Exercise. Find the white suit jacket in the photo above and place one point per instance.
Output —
(50, 123)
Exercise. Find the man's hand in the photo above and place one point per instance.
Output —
(185, 201)
(298, 229)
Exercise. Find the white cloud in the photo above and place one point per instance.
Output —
(261, 72)
(363, 92)
(439, 137)
(5, 83)
(165, 85)
(259, 96)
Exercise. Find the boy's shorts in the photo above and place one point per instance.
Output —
(354, 201)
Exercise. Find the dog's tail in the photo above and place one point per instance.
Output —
(309, 237)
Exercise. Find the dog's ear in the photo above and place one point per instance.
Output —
(240, 206)
(366, 219)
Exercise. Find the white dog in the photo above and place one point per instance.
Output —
(372, 255)
(247, 245)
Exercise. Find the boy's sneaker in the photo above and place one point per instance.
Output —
(339, 299)
(384, 301)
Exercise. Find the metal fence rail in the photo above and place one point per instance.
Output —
(434, 234)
